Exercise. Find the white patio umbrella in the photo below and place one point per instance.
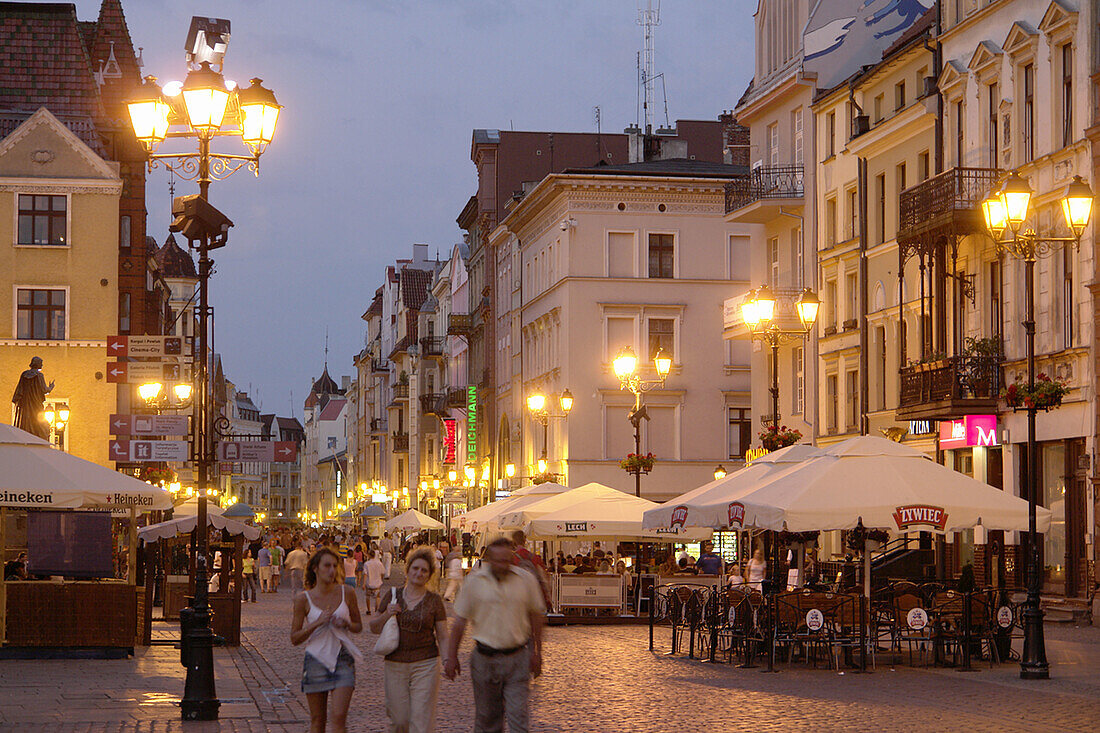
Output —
(190, 508)
(485, 518)
(604, 513)
(880, 484)
(34, 474)
(186, 524)
(708, 505)
(413, 521)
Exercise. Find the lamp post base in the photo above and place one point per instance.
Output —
(1033, 662)
(200, 701)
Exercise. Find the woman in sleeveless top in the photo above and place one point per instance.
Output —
(323, 615)
(411, 673)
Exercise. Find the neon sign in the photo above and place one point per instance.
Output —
(471, 423)
(449, 439)
(969, 431)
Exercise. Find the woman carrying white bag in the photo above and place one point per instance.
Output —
(412, 666)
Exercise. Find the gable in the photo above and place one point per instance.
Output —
(985, 55)
(1021, 37)
(42, 147)
(1057, 17)
(953, 74)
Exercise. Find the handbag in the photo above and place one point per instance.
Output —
(391, 635)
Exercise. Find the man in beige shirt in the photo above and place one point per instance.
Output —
(505, 606)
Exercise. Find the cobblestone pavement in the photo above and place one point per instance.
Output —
(597, 678)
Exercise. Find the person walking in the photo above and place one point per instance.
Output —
(386, 546)
(757, 569)
(372, 570)
(504, 603)
(323, 616)
(295, 564)
(709, 563)
(452, 565)
(263, 565)
(411, 672)
(277, 557)
(248, 573)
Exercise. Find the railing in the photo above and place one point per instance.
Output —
(432, 403)
(456, 397)
(401, 391)
(377, 425)
(400, 442)
(959, 190)
(379, 366)
(955, 378)
(432, 345)
(460, 324)
(772, 182)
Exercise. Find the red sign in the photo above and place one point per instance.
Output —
(736, 514)
(450, 440)
(679, 516)
(969, 431)
(920, 514)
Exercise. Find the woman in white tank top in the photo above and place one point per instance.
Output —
(324, 614)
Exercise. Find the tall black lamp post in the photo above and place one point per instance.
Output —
(625, 366)
(1005, 213)
(199, 109)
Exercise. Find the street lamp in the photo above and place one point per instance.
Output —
(719, 472)
(625, 366)
(1005, 213)
(758, 313)
(537, 406)
(202, 108)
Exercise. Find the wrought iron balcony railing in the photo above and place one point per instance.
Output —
(460, 324)
(948, 199)
(432, 403)
(379, 366)
(432, 346)
(771, 182)
(953, 381)
(456, 397)
(401, 391)
(400, 442)
(378, 425)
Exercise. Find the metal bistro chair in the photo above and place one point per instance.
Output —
(949, 626)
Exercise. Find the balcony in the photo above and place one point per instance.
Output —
(456, 398)
(757, 197)
(950, 388)
(431, 347)
(432, 403)
(460, 324)
(401, 391)
(379, 366)
(946, 202)
(377, 426)
(400, 442)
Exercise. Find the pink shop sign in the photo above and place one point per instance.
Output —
(969, 431)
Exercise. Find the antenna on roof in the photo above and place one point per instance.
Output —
(599, 141)
(649, 17)
(326, 348)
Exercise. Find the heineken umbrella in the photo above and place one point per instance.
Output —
(486, 518)
(36, 475)
(880, 484)
(187, 524)
(708, 505)
(599, 512)
(413, 521)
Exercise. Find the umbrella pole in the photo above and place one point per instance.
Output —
(3, 583)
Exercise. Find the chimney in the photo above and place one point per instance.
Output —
(345, 381)
(420, 255)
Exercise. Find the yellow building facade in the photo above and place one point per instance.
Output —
(59, 238)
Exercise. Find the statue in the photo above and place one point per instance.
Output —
(30, 395)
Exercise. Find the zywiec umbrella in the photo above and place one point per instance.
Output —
(186, 524)
(413, 521)
(880, 484)
(485, 519)
(708, 505)
(34, 474)
(599, 512)
(191, 507)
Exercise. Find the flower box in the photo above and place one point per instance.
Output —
(634, 463)
(1044, 394)
(773, 438)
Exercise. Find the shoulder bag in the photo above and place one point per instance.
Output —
(391, 634)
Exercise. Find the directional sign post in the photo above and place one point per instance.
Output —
(258, 451)
(149, 450)
(149, 425)
(139, 372)
(119, 346)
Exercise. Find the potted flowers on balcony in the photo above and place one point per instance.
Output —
(1044, 394)
(774, 438)
(633, 463)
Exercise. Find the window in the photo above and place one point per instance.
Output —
(995, 318)
(1067, 297)
(852, 399)
(880, 209)
(124, 313)
(830, 303)
(960, 127)
(796, 136)
(662, 335)
(899, 95)
(853, 213)
(40, 314)
(903, 341)
(773, 262)
(900, 175)
(880, 341)
(661, 255)
(994, 95)
(798, 370)
(830, 222)
(796, 256)
(740, 431)
(923, 168)
(1028, 130)
(1067, 94)
(830, 403)
(830, 134)
(878, 107)
(773, 144)
(124, 232)
(852, 282)
(42, 219)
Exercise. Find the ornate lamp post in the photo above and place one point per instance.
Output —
(1005, 213)
(625, 366)
(203, 107)
(537, 406)
(758, 312)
